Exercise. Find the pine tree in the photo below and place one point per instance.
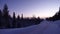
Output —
(22, 16)
(0, 18)
(6, 15)
(5, 11)
(18, 21)
(18, 17)
(14, 20)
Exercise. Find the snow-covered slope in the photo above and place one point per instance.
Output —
(45, 27)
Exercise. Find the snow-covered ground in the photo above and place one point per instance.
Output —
(45, 27)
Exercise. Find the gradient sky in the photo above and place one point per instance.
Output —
(41, 8)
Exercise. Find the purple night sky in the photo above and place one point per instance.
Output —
(41, 8)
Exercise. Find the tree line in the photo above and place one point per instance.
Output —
(6, 21)
(54, 17)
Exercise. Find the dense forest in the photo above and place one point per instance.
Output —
(6, 21)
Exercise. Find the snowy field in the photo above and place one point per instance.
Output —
(45, 27)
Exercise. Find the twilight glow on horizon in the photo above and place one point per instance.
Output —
(30, 8)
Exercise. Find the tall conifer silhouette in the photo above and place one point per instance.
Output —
(6, 15)
(0, 18)
(14, 20)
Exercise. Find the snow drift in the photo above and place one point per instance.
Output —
(45, 27)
